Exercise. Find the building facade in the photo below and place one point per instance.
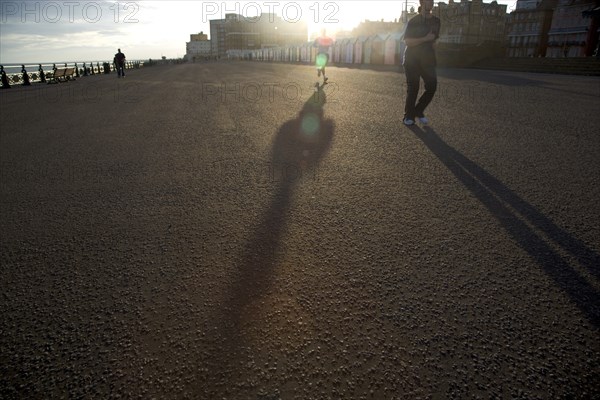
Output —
(471, 22)
(199, 47)
(198, 36)
(593, 43)
(217, 35)
(527, 28)
(571, 34)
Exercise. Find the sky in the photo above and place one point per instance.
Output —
(71, 30)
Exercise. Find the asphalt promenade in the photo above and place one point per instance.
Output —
(225, 230)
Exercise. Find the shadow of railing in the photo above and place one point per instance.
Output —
(525, 225)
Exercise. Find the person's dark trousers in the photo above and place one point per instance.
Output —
(414, 71)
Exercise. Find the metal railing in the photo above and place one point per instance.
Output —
(26, 74)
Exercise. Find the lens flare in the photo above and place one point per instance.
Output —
(310, 124)
(321, 60)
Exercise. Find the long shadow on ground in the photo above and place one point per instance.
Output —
(300, 144)
(525, 224)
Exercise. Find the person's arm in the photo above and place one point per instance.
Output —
(411, 42)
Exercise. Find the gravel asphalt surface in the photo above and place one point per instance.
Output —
(225, 230)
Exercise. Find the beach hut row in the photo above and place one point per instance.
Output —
(380, 49)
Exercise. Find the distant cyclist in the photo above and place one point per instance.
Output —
(322, 43)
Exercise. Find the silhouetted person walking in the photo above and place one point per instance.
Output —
(419, 62)
(120, 63)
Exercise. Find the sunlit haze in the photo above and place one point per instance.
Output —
(43, 31)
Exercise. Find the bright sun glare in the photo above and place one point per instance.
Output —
(178, 19)
(346, 15)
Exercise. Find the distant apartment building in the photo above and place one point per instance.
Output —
(571, 33)
(199, 47)
(471, 22)
(527, 28)
(237, 33)
(198, 36)
(217, 35)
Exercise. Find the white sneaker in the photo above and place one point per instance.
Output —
(408, 122)
(423, 120)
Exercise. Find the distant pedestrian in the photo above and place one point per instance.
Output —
(322, 43)
(120, 63)
(419, 62)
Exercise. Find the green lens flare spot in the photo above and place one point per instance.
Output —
(310, 124)
(321, 60)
